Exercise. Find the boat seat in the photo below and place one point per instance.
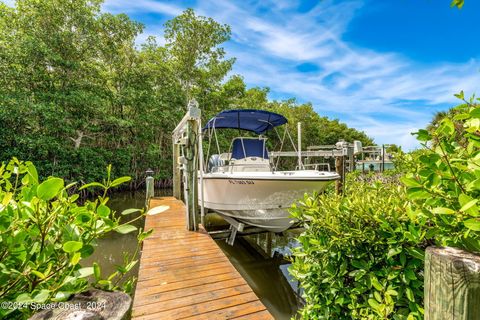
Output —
(245, 147)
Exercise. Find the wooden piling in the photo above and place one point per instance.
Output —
(452, 284)
(339, 168)
(191, 175)
(177, 192)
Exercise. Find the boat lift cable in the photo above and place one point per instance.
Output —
(209, 144)
(216, 138)
(282, 141)
(201, 169)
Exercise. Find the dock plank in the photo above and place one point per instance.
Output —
(184, 274)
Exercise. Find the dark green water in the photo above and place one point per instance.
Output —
(253, 256)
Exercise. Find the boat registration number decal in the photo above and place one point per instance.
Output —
(241, 182)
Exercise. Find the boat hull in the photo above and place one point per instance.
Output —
(261, 201)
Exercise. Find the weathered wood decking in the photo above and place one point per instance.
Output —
(185, 275)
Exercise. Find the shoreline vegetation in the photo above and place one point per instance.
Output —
(79, 93)
(46, 235)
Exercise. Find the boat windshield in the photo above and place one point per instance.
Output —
(249, 147)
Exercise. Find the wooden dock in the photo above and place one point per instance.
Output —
(185, 275)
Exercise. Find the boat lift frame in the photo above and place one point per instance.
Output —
(187, 162)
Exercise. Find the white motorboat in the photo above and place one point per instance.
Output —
(244, 185)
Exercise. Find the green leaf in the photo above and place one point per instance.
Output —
(410, 182)
(475, 113)
(85, 272)
(394, 251)
(447, 126)
(125, 228)
(442, 210)
(469, 205)
(119, 181)
(62, 296)
(391, 292)
(97, 271)
(375, 283)
(72, 246)
(459, 95)
(75, 258)
(423, 135)
(32, 172)
(410, 295)
(459, 4)
(23, 297)
(130, 211)
(38, 274)
(42, 296)
(417, 193)
(92, 184)
(472, 224)
(410, 274)
(49, 188)
(143, 235)
(103, 211)
(374, 304)
(417, 253)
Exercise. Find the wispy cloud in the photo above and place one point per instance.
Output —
(142, 6)
(9, 3)
(387, 95)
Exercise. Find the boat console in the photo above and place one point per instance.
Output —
(248, 154)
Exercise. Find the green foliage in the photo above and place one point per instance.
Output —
(457, 3)
(45, 234)
(360, 256)
(78, 94)
(444, 183)
(193, 44)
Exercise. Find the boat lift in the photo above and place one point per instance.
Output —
(187, 146)
(188, 167)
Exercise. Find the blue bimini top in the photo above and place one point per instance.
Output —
(257, 121)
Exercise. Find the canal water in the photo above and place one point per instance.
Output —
(257, 257)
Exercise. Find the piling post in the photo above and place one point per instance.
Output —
(299, 143)
(383, 157)
(191, 171)
(452, 284)
(185, 140)
(149, 186)
(339, 168)
(177, 193)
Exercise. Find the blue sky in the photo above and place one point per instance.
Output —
(384, 67)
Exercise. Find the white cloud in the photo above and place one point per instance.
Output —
(141, 6)
(385, 94)
(10, 3)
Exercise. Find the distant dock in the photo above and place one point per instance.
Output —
(185, 275)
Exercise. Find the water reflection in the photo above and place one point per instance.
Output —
(110, 250)
(268, 277)
(258, 258)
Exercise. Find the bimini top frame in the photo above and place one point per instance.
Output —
(258, 121)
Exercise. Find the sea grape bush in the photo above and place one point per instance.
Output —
(361, 257)
(45, 234)
(444, 183)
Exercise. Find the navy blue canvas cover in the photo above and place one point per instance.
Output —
(253, 148)
(257, 121)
